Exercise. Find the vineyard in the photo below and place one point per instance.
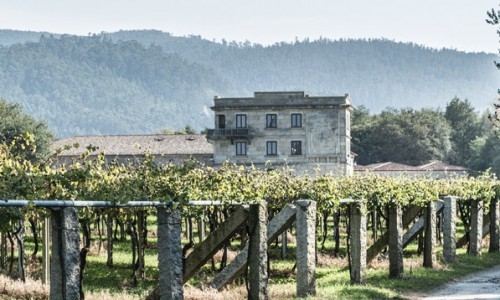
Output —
(383, 207)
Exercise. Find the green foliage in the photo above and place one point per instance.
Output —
(403, 136)
(186, 130)
(142, 81)
(91, 179)
(14, 124)
(91, 85)
(494, 19)
(465, 127)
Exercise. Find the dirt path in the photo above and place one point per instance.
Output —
(481, 285)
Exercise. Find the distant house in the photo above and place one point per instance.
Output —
(274, 129)
(435, 169)
(129, 149)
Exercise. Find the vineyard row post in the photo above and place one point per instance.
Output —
(449, 229)
(65, 262)
(395, 241)
(476, 230)
(358, 242)
(494, 225)
(430, 229)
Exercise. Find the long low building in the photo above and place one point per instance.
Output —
(165, 148)
(435, 169)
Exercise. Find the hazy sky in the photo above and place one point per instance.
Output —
(458, 24)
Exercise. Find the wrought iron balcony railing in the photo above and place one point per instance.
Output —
(227, 133)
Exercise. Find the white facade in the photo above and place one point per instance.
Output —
(274, 129)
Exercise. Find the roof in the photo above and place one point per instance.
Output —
(390, 166)
(441, 166)
(387, 166)
(155, 144)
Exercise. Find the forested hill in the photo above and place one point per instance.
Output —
(91, 85)
(112, 84)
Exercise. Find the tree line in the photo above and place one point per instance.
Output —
(459, 135)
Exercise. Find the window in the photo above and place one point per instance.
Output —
(241, 121)
(296, 120)
(221, 121)
(272, 148)
(296, 148)
(271, 121)
(241, 148)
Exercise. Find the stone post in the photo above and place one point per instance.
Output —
(257, 251)
(494, 225)
(449, 229)
(358, 242)
(395, 241)
(65, 261)
(476, 230)
(170, 253)
(430, 235)
(306, 247)
(46, 251)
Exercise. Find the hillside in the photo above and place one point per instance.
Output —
(141, 81)
(90, 85)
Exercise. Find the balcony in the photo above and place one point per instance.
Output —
(228, 133)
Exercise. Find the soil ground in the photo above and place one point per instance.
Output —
(480, 285)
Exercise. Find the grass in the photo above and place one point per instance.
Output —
(102, 282)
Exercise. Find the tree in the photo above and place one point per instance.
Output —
(361, 129)
(14, 125)
(494, 19)
(465, 127)
(403, 136)
(186, 130)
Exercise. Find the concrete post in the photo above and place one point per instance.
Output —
(449, 229)
(46, 251)
(257, 251)
(170, 253)
(430, 235)
(396, 268)
(306, 247)
(476, 230)
(358, 242)
(65, 261)
(494, 225)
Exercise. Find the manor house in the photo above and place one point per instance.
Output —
(275, 129)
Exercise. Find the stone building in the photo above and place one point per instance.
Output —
(274, 129)
(434, 169)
